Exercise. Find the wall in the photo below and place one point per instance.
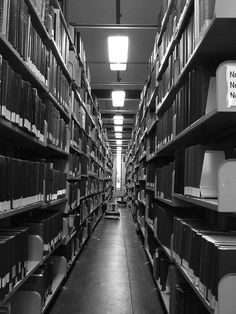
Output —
(121, 192)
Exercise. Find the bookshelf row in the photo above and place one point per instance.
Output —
(180, 162)
(55, 161)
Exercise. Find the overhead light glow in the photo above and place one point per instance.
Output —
(118, 135)
(118, 142)
(118, 120)
(118, 128)
(118, 98)
(118, 66)
(119, 148)
(118, 52)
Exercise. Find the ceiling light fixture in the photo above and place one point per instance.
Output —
(118, 128)
(118, 135)
(118, 142)
(118, 52)
(118, 120)
(118, 98)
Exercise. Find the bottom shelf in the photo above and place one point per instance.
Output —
(55, 286)
(141, 225)
(165, 297)
(29, 301)
(149, 256)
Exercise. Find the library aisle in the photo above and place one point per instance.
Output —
(112, 275)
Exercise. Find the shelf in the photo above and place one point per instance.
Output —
(21, 67)
(164, 21)
(84, 175)
(201, 130)
(50, 42)
(196, 290)
(142, 202)
(32, 266)
(165, 297)
(77, 150)
(165, 249)
(173, 41)
(57, 5)
(45, 257)
(173, 202)
(65, 241)
(39, 205)
(57, 282)
(150, 189)
(142, 228)
(40, 28)
(149, 256)
(207, 48)
(90, 195)
(53, 150)
(206, 203)
(72, 178)
(143, 156)
(151, 128)
(150, 225)
(15, 211)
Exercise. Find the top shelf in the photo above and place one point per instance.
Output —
(164, 21)
(210, 47)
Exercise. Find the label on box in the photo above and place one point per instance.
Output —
(231, 86)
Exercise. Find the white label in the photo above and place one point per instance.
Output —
(231, 86)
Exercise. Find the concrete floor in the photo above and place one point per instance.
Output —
(112, 274)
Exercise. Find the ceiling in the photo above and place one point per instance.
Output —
(98, 19)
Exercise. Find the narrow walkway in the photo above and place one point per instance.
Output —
(112, 274)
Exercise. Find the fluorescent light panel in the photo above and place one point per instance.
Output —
(118, 98)
(118, 135)
(118, 66)
(118, 120)
(118, 142)
(118, 52)
(118, 128)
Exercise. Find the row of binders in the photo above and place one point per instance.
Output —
(195, 172)
(18, 27)
(206, 252)
(196, 97)
(200, 19)
(24, 182)
(14, 244)
(196, 169)
(183, 300)
(25, 108)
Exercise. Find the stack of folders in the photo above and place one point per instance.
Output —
(73, 194)
(164, 221)
(196, 170)
(45, 223)
(55, 183)
(21, 183)
(74, 165)
(14, 257)
(164, 181)
(164, 130)
(160, 268)
(83, 186)
(206, 252)
(150, 175)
